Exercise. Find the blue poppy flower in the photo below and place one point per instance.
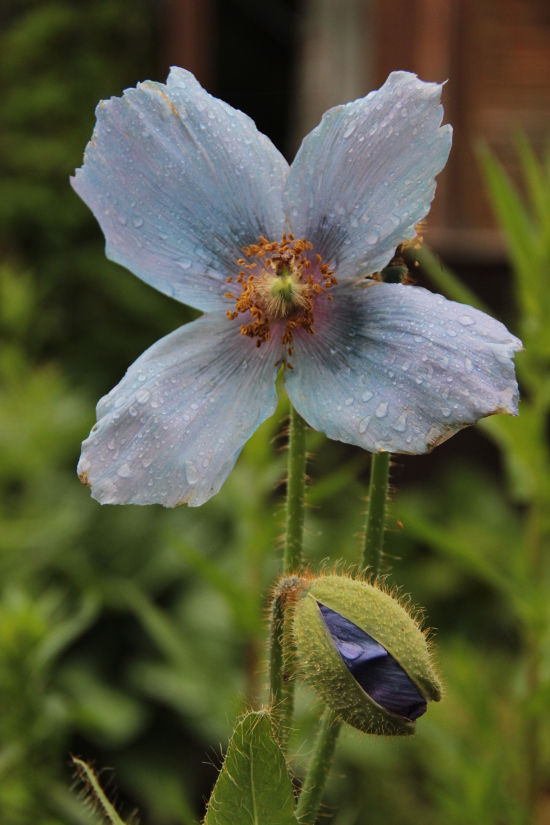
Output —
(196, 202)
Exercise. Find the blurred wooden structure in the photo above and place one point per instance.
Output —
(495, 55)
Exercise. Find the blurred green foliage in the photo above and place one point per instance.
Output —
(134, 637)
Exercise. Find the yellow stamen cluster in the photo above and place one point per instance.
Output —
(281, 284)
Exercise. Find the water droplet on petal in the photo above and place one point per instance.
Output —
(466, 320)
(367, 395)
(364, 424)
(382, 410)
(142, 396)
(468, 366)
(351, 129)
(184, 264)
(372, 238)
(502, 355)
(124, 471)
(137, 221)
(349, 402)
(191, 472)
(401, 424)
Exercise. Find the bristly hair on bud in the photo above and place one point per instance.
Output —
(364, 654)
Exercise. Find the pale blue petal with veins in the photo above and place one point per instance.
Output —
(180, 182)
(365, 176)
(399, 369)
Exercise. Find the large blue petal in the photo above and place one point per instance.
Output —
(171, 430)
(364, 177)
(397, 368)
(378, 673)
(180, 182)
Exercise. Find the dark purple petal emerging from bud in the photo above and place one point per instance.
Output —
(378, 673)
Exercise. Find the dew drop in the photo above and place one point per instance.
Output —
(351, 129)
(124, 471)
(372, 238)
(469, 367)
(349, 402)
(184, 264)
(143, 396)
(191, 472)
(367, 395)
(501, 355)
(146, 463)
(382, 410)
(401, 424)
(466, 320)
(364, 424)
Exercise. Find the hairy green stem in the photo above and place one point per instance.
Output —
(277, 694)
(321, 760)
(282, 666)
(376, 512)
(296, 494)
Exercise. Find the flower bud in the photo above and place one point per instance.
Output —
(364, 654)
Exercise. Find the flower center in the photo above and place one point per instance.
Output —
(279, 287)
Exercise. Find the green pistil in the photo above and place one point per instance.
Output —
(284, 287)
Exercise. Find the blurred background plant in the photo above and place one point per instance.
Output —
(134, 637)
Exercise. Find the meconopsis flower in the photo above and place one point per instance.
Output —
(199, 204)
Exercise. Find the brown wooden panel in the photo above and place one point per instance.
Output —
(188, 38)
(496, 56)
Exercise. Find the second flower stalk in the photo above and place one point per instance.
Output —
(361, 651)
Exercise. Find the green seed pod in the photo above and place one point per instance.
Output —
(364, 654)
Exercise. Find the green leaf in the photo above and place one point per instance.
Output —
(534, 177)
(521, 237)
(254, 786)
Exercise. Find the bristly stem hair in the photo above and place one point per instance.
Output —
(376, 513)
(282, 651)
(295, 495)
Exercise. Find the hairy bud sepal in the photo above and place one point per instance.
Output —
(364, 654)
